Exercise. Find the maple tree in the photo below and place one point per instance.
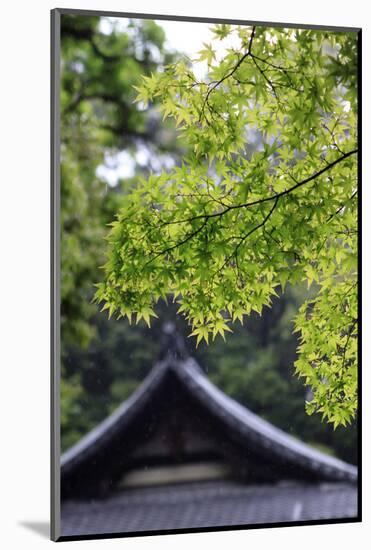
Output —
(266, 195)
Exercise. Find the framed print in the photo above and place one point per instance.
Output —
(205, 307)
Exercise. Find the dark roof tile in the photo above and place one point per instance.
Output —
(208, 504)
(246, 425)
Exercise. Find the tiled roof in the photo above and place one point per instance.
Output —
(244, 424)
(208, 504)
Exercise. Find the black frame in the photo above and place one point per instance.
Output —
(55, 273)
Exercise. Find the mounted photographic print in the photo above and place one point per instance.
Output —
(205, 193)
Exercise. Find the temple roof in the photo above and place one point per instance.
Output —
(119, 478)
(242, 425)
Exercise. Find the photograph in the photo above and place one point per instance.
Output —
(205, 198)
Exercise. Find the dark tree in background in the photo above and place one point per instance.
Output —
(98, 121)
(103, 361)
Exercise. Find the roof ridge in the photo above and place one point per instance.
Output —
(238, 418)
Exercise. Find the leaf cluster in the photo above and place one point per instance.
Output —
(266, 196)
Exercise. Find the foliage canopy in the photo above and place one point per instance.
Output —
(98, 119)
(265, 196)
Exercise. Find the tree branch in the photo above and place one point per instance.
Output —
(271, 197)
(341, 207)
(244, 237)
(180, 243)
(231, 72)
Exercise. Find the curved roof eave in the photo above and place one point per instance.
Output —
(246, 422)
(88, 443)
(238, 418)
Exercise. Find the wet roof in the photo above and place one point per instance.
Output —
(244, 424)
(208, 504)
